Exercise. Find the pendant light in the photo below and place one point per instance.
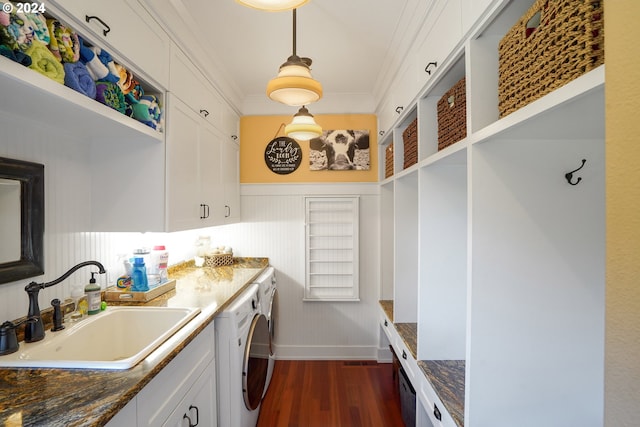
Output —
(294, 85)
(303, 127)
(273, 5)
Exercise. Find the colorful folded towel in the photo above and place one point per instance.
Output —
(127, 82)
(78, 78)
(43, 61)
(16, 32)
(98, 69)
(15, 55)
(64, 41)
(38, 23)
(148, 111)
(110, 94)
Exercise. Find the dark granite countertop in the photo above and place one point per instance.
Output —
(83, 397)
(387, 306)
(447, 379)
(409, 334)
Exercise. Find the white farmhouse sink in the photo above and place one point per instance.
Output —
(117, 338)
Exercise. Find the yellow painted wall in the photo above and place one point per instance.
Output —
(257, 131)
(622, 354)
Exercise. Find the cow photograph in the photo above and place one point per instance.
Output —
(340, 150)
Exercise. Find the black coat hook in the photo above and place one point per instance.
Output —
(569, 175)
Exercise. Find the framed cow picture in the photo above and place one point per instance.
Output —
(340, 150)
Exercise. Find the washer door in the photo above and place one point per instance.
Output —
(271, 317)
(256, 362)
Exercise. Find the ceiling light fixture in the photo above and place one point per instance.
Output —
(273, 5)
(294, 85)
(303, 127)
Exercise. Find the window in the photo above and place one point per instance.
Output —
(331, 232)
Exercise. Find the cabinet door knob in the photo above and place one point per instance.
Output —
(191, 407)
(404, 355)
(106, 29)
(386, 323)
(399, 109)
(204, 113)
(436, 413)
(427, 68)
(234, 137)
(381, 132)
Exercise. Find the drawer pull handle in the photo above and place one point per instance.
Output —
(404, 355)
(234, 137)
(185, 416)
(106, 29)
(436, 413)
(204, 113)
(427, 70)
(399, 109)
(386, 323)
(227, 211)
(197, 415)
(381, 132)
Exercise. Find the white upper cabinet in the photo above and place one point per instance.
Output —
(442, 31)
(125, 28)
(194, 191)
(472, 10)
(190, 85)
(230, 175)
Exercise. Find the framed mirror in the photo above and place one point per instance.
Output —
(21, 219)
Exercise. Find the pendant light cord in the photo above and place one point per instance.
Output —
(294, 32)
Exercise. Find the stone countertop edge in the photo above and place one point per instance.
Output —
(447, 377)
(91, 397)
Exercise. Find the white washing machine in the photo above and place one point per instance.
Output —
(242, 349)
(268, 294)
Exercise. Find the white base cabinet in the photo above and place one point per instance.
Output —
(186, 386)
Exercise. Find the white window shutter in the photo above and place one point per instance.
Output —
(331, 233)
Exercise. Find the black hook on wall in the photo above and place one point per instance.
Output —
(569, 175)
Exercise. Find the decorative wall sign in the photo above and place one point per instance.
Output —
(283, 155)
(340, 150)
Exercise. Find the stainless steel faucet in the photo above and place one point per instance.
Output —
(34, 331)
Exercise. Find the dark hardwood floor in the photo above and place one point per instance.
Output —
(331, 394)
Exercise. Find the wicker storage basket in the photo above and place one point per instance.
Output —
(452, 115)
(388, 161)
(218, 260)
(410, 142)
(552, 44)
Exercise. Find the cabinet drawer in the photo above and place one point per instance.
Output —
(126, 28)
(163, 394)
(433, 406)
(387, 327)
(407, 361)
(191, 86)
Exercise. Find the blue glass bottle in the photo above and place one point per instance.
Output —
(139, 276)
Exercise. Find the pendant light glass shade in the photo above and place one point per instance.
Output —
(294, 85)
(273, 5)
(303, 127)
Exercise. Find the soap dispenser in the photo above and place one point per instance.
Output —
(92, 291)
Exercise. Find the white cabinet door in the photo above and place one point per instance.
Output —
(126, 27)
(210, 166)
(165, 394)
(126, 417)
(231, 181)
(194, 186)
(198, 406)
(443, 31)
(472, 10)
(190, 85)
(183, 188)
